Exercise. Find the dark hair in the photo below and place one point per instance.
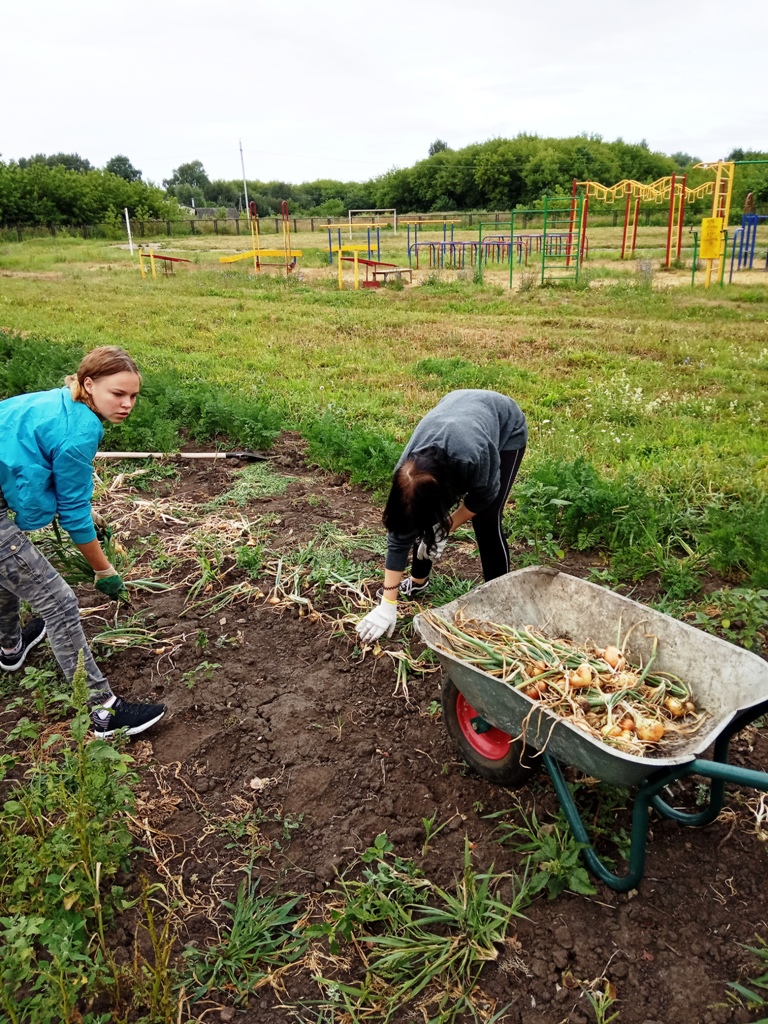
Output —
(424, 490)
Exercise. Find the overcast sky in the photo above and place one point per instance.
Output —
(349, 89)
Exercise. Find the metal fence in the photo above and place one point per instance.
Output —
(433, 221)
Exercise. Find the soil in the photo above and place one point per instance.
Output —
(297, 730)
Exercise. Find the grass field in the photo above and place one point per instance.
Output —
(660, 389)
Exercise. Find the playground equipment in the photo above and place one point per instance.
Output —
(167, 262)
(378, 269)
(288, 254)
(672, 189)
(745, 238)
(374, 213)
(334, 248)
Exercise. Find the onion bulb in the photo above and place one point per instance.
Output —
(612, 656)
(650, 732)
(611, 730)
(675, 707)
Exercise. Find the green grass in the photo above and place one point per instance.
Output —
(659, 390)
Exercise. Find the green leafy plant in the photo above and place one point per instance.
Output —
(261, 937)
(64, 838)
(204, 670)
(552, 853)
(423, 941)
(746, 993)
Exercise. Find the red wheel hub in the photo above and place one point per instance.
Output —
(491, 743)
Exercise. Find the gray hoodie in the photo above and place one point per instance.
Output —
(471, 427)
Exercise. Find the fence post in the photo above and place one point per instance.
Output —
(141, 228)
(311, 223)
(295, 228)
(192, 225)
(276, 225)
(237, 225)
(470, 220)
(215, 226)
(615, 217)
(18, 232)
(168, 228)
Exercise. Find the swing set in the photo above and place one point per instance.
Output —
(285, 257)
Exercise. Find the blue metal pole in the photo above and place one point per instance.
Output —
(330, 245)
(378, 244)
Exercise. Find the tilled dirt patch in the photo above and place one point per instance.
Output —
(287, 750)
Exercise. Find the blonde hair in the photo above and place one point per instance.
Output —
(99, 362)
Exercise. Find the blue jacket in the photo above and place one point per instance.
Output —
(47, 446)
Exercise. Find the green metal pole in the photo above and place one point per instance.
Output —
(511, 245)
(695, 258)
(544, 240)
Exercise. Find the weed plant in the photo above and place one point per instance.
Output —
(253, 483)
(64, 839)
(262, 940)
(552, 854)
(424, 942)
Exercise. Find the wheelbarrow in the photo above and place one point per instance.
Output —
(503, 734)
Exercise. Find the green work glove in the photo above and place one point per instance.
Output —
(109, 582)
(103, 532)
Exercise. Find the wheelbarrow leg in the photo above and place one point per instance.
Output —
(717, 787)
(638, 840)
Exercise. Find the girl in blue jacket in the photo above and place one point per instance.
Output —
(48, 443)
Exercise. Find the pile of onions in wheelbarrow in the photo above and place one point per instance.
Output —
(596, 689)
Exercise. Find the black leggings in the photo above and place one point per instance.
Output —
(491, 542)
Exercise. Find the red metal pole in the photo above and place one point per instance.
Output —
(671, 218)
(637, 218)
(681, 213)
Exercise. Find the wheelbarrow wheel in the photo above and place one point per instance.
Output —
(491, 752)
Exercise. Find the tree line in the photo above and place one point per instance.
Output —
(499, 174)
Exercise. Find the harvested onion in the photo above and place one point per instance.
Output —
(650, 732)
(612, 656)
(675, 707)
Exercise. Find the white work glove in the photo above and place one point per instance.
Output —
(432, 554)
(381, 620)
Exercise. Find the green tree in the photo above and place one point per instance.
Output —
(437, 147)
(71, 161)
(122, 167)
(192, 173)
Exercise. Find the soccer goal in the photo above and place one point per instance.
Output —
(391, 210)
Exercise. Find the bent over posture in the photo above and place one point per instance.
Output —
(468, 447)
(49, 440)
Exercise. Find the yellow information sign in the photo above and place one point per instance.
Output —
(711, 235)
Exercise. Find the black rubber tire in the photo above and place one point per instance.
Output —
(492, 754)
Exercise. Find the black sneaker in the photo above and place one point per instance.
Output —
(31, 635)
(408, 590)
(133, 718)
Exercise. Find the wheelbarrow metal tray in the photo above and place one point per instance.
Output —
(724, 679)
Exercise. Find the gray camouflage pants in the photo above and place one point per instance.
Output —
(26, 575)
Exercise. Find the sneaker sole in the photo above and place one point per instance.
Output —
(23, 655)
(106, 734)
